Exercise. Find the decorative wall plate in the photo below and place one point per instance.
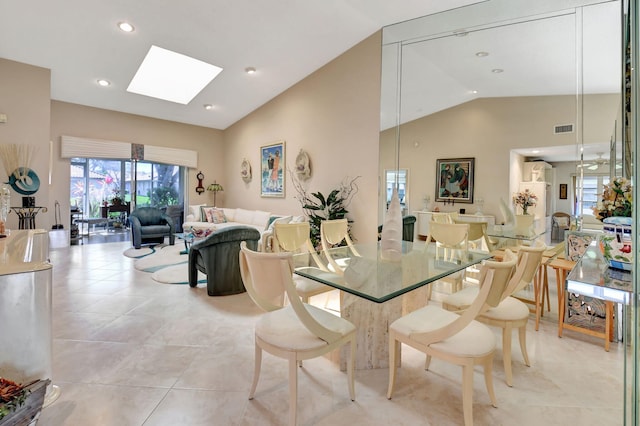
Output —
(245, 170)
(24, 181)
(303, 165)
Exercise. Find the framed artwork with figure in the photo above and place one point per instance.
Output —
(272, 161)
(454, 180)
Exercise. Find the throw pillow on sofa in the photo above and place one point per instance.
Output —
(214, 215)
(196, 211)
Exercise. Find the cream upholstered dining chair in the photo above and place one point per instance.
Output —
(332, 233)
(510, 313)
(294, 238)
(478, 235)
(295, 331)
(456, 338)
(441, 217)
(451, 241)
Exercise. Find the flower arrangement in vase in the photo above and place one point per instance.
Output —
(617, 199)
(524, 200)
(614, 209)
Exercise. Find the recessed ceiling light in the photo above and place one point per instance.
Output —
(474, 91)
(104, 83)
(172, 76)
(126, 27)
(250, 70)
(535, 151)
(482, 54)
(208, 107)
(497, 70)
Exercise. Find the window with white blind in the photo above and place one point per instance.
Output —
(592, 188)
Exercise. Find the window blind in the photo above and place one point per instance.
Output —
(72, 146)
(93, 148)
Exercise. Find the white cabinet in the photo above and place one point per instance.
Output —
(424, 218)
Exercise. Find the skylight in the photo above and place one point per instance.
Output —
(172, 76)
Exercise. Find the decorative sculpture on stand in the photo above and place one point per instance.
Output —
(391, 237)
(16, 160)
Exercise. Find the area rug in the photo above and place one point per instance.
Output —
(166, 264)
(135, 253)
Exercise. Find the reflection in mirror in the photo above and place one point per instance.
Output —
(507, 82)
(400, 179)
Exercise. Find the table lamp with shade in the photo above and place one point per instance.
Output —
(215, 188)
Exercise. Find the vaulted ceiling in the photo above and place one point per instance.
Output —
(284, 40)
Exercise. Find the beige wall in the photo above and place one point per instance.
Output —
(94, 123)
(24, 98)
(487, 129)
(333, 114)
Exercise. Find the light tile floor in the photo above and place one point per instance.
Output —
(131, 351)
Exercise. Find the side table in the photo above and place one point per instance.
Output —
(27, 216)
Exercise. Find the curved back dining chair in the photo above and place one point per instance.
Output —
(451, 242)
(451, 237)
(478, 235)
(333, 233)
(456, 338)
(295, 331)
(510, 313)
(295, 238)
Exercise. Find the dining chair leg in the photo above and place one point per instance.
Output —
(506, 354)
(488, 379)
(561, 300)
(522, 334)
(293, 390)
(537, 285)
(350, 365)
(467, 393)
(427, 362)
(546, 290)
(256, 370)
(393, 351)
(608, 324)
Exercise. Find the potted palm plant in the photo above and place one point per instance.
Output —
(318, 207)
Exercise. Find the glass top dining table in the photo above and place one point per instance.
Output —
(508, 232)
(377, 279)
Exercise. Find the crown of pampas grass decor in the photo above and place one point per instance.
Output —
(16, 159)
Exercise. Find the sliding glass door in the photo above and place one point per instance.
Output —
(96, 182)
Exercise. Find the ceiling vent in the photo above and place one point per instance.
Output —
(563, 128)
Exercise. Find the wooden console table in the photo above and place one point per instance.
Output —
(115, 208)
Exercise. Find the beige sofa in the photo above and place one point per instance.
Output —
(197, 219)
(260, 220)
